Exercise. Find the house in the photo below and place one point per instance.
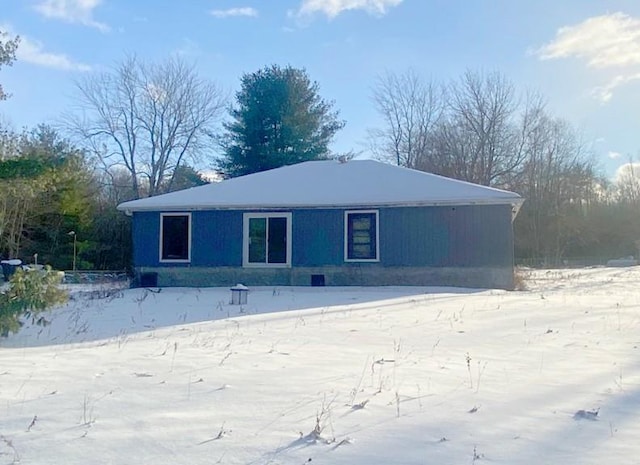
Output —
(359, 222)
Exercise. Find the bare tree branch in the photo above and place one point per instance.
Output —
(410, 109)
(147, 118)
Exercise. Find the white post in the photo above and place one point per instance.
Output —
(73, 233)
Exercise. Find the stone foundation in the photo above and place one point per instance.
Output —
(369, 275)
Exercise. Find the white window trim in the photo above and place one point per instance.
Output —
(180, 260)
(346, 237)
(245, 239)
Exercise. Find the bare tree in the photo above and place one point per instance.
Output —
(147, 118)
(478, 139)
(471, 129)
(480, 129)
(627, 183)
(9, 141)
(558, 180)
(410, 108)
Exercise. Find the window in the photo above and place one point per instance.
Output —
(361, 236)
(267, 239)
(175, 237)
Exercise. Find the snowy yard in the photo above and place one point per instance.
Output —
(357, 376)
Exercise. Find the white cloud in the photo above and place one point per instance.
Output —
(628, 172)
(332, 8)
(614, 155)
(32, 51)
(604, 93)
(234, 12)
(607, 42)
(72, 11)
(602, 41)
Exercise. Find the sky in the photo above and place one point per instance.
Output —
(330, 375)
(583, 56)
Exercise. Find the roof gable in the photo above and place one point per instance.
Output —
(327, 184)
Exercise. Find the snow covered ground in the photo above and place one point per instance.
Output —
(358, 376)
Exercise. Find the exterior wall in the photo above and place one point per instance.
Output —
(461, 236)
(216, 239)
(469, 246)
(318, 238)
(412, 236)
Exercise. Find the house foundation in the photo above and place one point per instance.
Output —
(370, 275)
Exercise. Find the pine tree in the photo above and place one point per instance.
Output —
(279, 119)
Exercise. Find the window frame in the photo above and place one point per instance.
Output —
(376, 214)
(246, 218)
(163, 215)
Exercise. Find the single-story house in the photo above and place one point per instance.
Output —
(359, 222)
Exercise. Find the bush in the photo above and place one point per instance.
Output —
(520, 277)
(30, 293)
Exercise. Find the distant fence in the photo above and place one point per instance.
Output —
(95, 276)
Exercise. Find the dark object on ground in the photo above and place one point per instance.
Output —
(9, 267)
(586, 415)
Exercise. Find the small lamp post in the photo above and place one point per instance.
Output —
(73, 233)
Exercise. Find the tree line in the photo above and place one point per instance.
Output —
(140, 129)
(479, 128)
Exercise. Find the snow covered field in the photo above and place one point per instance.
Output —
(358, 376)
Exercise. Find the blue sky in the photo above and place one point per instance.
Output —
(582, 55)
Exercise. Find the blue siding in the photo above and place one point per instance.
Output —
(478, 235)
(217, 238)
(414, 236)
(146, 238)
(409, 236)
(318, 237)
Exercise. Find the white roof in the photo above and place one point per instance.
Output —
(327, 184)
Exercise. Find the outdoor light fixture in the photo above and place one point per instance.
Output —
(73, 233)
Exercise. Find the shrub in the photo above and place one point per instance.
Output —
(520, 277)
(30, 292)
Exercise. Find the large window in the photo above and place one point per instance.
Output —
(361, 236)
(175, 237)
(267, 239)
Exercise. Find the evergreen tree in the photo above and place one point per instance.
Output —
(184, 177)
(279, 119)
(45, 192)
